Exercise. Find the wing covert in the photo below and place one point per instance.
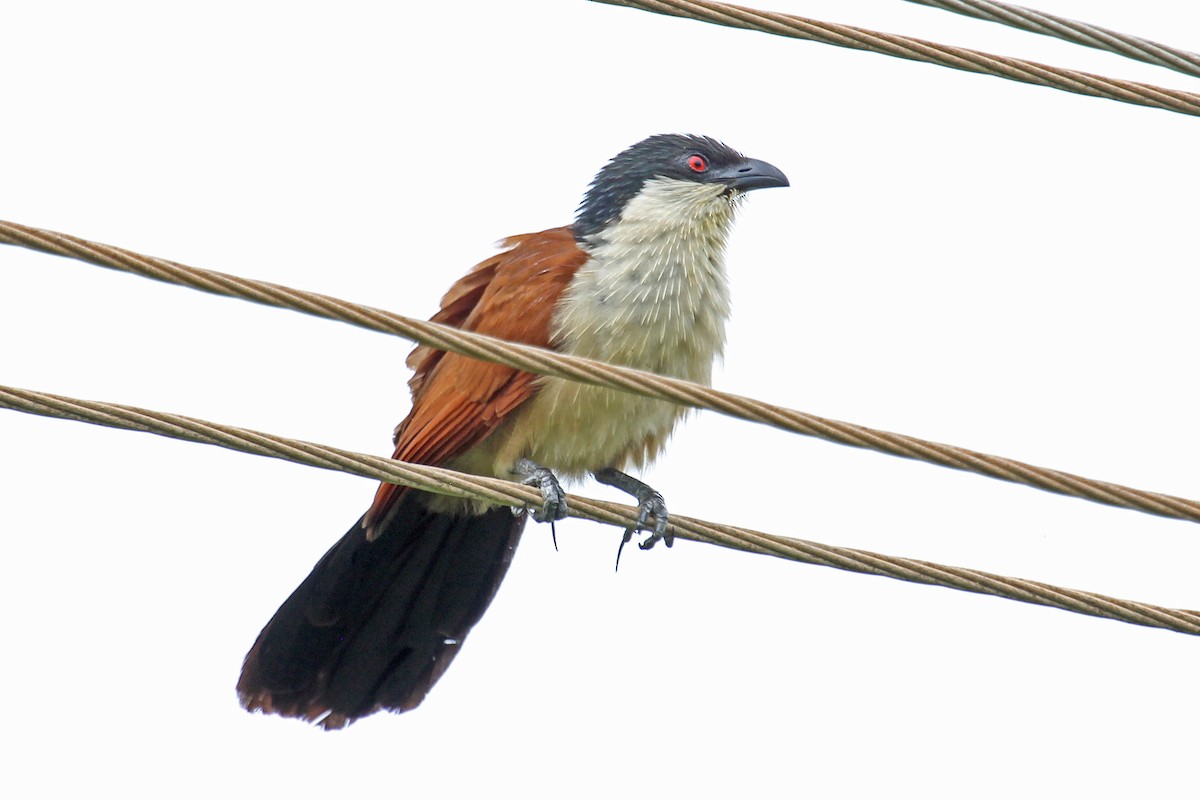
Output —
(458, 401)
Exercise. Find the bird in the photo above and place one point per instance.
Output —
(639, 280)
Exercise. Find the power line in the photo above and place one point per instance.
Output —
(445, 481)
(1016, 69)
(1074, 31)
(601, 374)
(547, 362)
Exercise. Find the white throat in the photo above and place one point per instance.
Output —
(654, 294)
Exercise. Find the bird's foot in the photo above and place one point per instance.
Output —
(650, 504)
(554, 499)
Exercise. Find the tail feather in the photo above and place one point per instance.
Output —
(377, 622)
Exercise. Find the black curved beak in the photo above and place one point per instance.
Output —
(749, 173)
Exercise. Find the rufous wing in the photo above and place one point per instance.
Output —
(458, 401)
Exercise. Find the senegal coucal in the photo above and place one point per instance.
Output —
(637, 280)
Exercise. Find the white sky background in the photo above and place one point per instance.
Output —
(961, 258)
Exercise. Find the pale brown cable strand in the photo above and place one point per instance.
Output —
(548, 362)
(1016, 69)
(447, 482)
(1074, 31)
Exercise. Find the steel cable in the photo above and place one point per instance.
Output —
(1028, 19)
(444, 481)
(548, 362)
(1016, 69)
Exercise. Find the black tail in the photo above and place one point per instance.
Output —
(377, 622)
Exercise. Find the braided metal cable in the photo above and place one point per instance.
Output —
(1028, 19)
(547, 362)
(1016, 69)
(445, 481)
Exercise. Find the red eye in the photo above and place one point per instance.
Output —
(697, 162)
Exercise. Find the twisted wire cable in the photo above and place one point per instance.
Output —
(961, 58)
(445, 481)
(547, 362)
(1074, 31)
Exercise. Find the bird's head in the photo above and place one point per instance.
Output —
(671, 179)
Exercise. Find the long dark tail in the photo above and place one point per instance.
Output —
(377, 622)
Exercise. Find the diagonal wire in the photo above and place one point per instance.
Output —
(547, 362)
(1073, 31)
(1016, 69)
(445, 481)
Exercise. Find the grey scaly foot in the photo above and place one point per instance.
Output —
(554, 499)
(650, 504)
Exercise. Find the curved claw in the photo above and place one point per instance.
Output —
(554, 499)
(652, 505)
